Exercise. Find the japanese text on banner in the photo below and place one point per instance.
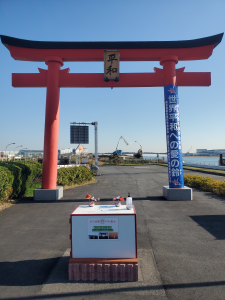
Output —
(173, 137)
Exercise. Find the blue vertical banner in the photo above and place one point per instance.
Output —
(173, 137)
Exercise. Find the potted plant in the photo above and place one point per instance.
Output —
(118, 199)
(92, 200)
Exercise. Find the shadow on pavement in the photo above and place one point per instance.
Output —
(26, 272)
(83, 200)
(149, 198)
(214, 196)
(214, 224)
(120, 290)
(155, 198)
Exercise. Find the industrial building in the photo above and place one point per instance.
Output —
(206, 152)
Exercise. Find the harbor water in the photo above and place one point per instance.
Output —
(200, 160)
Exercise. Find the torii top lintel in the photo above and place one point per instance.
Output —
(26, 50)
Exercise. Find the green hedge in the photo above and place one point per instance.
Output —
(6, 183)
(72, 176)
(18, 179)
(25, 175)
(207, 184)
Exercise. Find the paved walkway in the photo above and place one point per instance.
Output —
(181, 245)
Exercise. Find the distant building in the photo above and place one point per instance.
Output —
(206, 152)
(200, 151)
(65, 151)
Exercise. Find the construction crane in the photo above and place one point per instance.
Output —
(189, 150)
(119, 152)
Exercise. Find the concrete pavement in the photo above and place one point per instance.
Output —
(181, 245)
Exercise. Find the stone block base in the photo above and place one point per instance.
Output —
(103, 272)
(184, 194)
(48, 195)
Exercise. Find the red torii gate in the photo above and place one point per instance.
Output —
(54, 54)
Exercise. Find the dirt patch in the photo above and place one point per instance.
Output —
(75, 185)
(6, 204)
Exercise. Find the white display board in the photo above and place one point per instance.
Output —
(103, 231)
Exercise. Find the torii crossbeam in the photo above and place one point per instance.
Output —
(54, 54)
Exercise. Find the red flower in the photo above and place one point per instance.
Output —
(88, 196)
(118, 198)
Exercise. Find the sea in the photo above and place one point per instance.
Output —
(202, 160)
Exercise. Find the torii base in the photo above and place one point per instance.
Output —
(173, 194)
(47, 194)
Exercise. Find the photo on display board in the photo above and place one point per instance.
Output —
(93, 237)
(103, 228)
(113, 235)
(103, 235)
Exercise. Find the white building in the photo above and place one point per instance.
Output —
(214, 152)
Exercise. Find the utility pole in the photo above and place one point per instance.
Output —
(96, 140)
(96, 143)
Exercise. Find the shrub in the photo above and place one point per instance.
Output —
(25, 175)
(207, 184)
(18, 179)
(6, 183)
(16, 171)
(73, 175)
(33, 171)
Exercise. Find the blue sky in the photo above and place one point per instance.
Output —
(135, 113)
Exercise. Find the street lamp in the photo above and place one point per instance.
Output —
(15, 149)
(7, 146)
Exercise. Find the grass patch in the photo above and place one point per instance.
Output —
(30, 191)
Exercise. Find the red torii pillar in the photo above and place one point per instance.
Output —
(49, 176)
(55, 53)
